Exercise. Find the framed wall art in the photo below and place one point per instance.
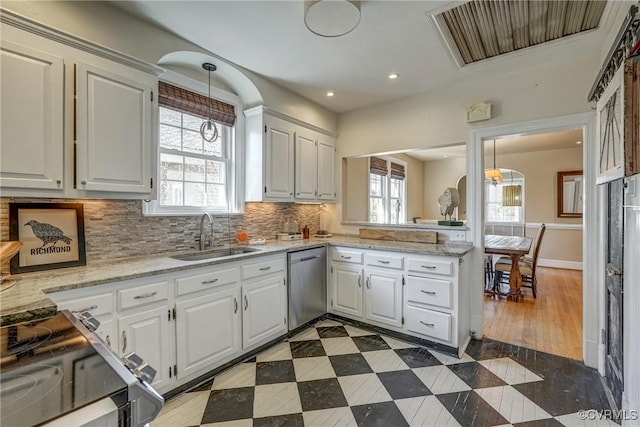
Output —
(610, 110)
(52, 235)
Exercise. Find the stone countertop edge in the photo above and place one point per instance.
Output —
(27, 300)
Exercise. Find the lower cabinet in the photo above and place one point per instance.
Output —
(264, 313)
(207, 330)
(383, 301)
(147, 334)
(347, 289)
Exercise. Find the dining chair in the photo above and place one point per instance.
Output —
(527, 265)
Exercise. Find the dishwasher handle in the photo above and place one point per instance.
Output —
(309, 258)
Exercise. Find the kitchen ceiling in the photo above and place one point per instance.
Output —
(270, 38)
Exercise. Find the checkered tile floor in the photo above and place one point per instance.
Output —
(337, 375)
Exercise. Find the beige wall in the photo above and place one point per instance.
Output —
(438, 175)
(415, 186)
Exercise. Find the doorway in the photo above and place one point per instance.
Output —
(476, 165)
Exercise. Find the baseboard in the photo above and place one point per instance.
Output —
(590, 356)
(568, 265)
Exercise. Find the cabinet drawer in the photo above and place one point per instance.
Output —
(425, 290)
(140, 295)
(347, 255)
(94, 304)
(262, 268)
(429, 323)
(431, 266)
(207, 280)
(384, 260)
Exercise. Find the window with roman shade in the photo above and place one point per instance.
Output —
(387, 190)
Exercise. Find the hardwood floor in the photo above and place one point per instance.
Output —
(551, 323)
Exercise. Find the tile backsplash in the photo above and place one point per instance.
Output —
(117, 229)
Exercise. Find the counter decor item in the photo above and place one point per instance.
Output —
(7, 251)
(447, 202)
(52, 235)
(242, 238)
(305, 232)
(323, 222)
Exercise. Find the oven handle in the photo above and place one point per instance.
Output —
(124, 341)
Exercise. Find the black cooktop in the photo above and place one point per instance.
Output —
(49, 368)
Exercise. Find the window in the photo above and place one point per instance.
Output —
(493, 201)
(386, 190)
(194, 175)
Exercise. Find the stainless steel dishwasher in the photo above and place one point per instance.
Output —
(307, 285)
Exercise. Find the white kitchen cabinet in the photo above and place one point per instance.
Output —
(264, 310)
(326, 169)
(31, 107)
(279, 152)
(146, 332)
(383, 296)
(346, 295)
(115, 133)
(207, 330)
(306, 166)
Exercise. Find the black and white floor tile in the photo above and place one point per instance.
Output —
(338, 375)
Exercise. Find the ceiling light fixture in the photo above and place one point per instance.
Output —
(330, 93)
(578, 142)
(393, 76)
(208, 129)
(494, 174)
(331, 18)
(512, 194)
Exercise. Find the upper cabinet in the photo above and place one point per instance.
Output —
(287, 161)
(78, 120)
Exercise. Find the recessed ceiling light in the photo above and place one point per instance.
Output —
(445, 156)
(330, 93)
(578, 142)
(393, 76)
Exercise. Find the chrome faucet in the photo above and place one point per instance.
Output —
(203, 241)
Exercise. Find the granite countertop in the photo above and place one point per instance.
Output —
(27, 300)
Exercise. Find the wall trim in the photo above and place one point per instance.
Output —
(555, 226)
(35, 27)
(556, 263)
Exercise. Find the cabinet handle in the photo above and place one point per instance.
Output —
(431, 325)
(149, 295)
(345, 257)
(82, 310)
(124, 341)
(108, 340)
(359, 284)
(235, 305)
(368, 279)
(432, 267)
(58, 181)
(83, 182)
(383, 262)
(428, 292)
(265, 268)
(208, 282)
(246, 303)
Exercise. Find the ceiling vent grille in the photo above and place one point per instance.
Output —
(483, 29)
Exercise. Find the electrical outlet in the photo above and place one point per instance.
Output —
(458, 236)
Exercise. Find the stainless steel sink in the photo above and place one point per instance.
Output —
(215, 253)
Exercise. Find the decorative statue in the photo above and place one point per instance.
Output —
(447, 202)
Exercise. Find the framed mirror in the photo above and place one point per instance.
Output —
(570, 189)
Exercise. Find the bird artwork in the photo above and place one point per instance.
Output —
(447, 202)
(47, 233)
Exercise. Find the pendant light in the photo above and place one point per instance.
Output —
(512, 194)
(494, 174)
(208, 129)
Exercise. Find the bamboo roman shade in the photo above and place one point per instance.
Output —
(397, 171)
(184, 100)
(378, 166)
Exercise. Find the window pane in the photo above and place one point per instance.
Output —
(215, 172)
(191, 122)
(169, 137)
(169, 116)
(376, 210)
(171, 167)
(214, 148)
(375, 185)
(191, 141)
(395, 188)
(170, 193)
(216, 195)
(194, 169)
(194, 194)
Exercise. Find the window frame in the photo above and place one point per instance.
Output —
(516, 181)
(386, 193)
(235, 146)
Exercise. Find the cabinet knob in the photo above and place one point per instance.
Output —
(83, 182)
(58, 181)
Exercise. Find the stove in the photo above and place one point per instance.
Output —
(56, 368)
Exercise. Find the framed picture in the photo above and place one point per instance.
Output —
(610, 109)
(52, 235)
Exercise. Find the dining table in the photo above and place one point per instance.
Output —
(514, 247)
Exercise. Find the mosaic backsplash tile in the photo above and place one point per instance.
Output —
(118, 229)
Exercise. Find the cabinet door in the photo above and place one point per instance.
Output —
(264, 310)
(326, 169)
(207, 330)
(347, 289)
(31, 107)
(147, 334)
(115, 136)
(306, 167)
(383, 300)
(279, 163)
